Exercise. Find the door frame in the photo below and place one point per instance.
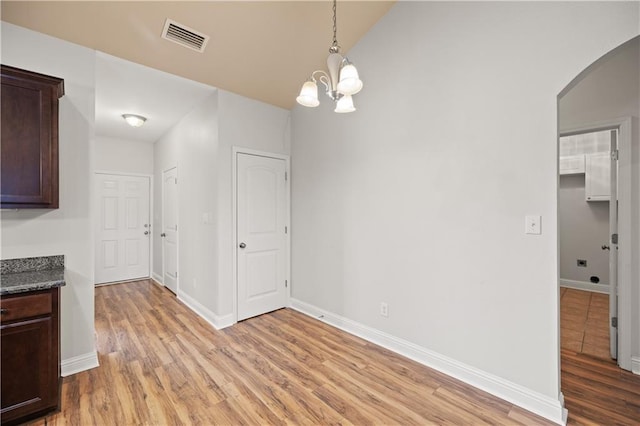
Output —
(625, 129)
(234, 185)
(96, 213)
(162, 228)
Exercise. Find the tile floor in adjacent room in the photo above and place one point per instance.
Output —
(584, 321)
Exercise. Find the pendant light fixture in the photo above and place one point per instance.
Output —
(341, 82)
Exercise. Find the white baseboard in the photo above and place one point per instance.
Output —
(635, 364)
(79, 363)
(218, 322)
(543, 405)
(157, 278)
(583, 285)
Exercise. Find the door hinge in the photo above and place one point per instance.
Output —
(615, 155)
(614, 322)
(286, 283)
(286, 176)
(614, 238)
(285, 229)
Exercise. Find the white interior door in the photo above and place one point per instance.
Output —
(613, 249)
(123, 228)
(262, 252)
(170, 229)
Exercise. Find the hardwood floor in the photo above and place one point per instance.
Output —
(584, 321)
(596, 390)
(160, 364)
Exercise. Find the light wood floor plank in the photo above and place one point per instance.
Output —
(596, 390)
(160, 364)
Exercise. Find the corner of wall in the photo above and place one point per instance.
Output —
(218, 322)
(79, 363)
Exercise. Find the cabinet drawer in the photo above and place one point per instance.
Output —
(29, 305)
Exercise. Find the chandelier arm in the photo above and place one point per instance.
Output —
(324, 79)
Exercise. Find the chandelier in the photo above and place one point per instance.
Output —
(341, 82)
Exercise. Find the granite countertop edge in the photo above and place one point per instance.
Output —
(23, 282)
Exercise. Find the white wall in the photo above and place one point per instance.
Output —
(249, 124)
(583, 228)
(418, 199)
(611, 90)
(67, 230)
(123, 156)
(192, 146)
(201, 146)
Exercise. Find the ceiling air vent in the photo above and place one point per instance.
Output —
(184, 36)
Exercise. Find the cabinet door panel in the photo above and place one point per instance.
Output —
(26, 382)
(29, 145)
(23, 179)
(598, 177)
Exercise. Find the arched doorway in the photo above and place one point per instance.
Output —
(603, 99)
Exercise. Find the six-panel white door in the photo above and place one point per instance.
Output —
(262, 205)
(170, 229)
(122, 228)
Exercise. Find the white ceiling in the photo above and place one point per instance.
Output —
(123, 87)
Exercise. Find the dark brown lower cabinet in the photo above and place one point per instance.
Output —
(30, 355)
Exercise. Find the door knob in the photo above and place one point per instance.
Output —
(163, 235)
(146, 232)
(605, 247)
(242, 245)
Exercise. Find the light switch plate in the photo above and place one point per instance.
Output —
(533, 225)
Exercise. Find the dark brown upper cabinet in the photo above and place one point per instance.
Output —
(29, 150)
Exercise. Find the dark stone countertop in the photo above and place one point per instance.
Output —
(22, 282)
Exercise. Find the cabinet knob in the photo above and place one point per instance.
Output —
(3, 311)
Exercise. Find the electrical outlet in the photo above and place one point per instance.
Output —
(384, 309)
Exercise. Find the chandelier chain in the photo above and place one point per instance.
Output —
(335, 28)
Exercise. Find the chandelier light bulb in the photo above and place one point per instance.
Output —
(308, 94)
(344, 105)
(350, 82)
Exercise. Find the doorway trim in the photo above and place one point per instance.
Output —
(234, 192)
(95, 211)
(625, 129)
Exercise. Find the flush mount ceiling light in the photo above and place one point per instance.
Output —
(341, 82)
(134, 120)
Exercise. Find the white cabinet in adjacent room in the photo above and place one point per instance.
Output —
(572, 165)
(598, 177)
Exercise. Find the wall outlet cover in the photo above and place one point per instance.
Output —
(533, 225)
